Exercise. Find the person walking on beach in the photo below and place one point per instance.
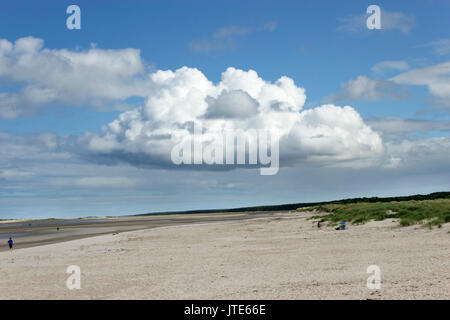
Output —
(10, 243)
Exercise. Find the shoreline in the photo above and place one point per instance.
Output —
(32, 233)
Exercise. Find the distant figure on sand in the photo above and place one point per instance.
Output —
(57, 228)
(319, 224)
(10, 243)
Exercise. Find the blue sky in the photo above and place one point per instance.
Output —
(390, 77)
(305, 44)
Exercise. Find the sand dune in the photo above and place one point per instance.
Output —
(283, 256)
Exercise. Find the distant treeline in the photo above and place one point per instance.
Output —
(295, 206)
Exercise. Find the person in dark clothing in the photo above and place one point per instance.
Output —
(10, 243)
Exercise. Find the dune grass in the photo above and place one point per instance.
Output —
(429, 212)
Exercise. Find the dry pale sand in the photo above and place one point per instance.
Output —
(283, 256)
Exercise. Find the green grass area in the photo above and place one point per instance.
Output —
(429, 212)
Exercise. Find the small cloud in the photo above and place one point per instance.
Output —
(353, 23)
(364, 88)
(440, 47)
(225, 37)
(384, 66)
(396, 20)
(231, 31)
(389, 21)
(204, 46)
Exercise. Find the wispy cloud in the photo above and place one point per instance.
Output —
(14, 174)
(226, 37)
(440, 47)
(436, 78)
(393, 65)
(365, 89)
(389, 21)
(393, 128)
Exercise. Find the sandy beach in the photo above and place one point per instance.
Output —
(279, 256)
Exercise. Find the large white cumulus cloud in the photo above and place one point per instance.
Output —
(326, 135)
(175, 100)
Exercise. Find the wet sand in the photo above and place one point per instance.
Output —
(281, 256)
(31, 233)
